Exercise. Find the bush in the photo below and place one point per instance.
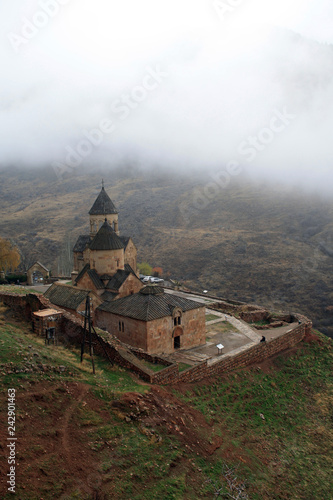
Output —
(13, 278)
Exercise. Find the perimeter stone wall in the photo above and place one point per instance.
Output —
(110, 347)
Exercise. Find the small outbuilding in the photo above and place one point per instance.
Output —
(37, 273)
(45, 323)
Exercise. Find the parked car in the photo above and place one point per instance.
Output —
(156, 280)
(146, 279)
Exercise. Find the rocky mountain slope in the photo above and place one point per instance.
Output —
(250, 241)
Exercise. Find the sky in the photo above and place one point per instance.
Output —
(185, 85)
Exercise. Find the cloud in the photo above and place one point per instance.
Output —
(226, 79)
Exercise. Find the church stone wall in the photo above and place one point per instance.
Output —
(156, 337)
(134, 334)
(131, 285)
(131, 255)
(107, 261)
(192, 332)
(87, 284)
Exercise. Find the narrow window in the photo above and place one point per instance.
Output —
(119, 326)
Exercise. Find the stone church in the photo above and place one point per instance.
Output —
(104, 261)
(105, 266)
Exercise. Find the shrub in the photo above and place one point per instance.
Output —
(13, 278)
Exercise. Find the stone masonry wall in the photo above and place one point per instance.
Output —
(255, 354)
(131, 285)
(254, 316)
(134, 332)
(123, 355)
(107, 261)
(131, 255)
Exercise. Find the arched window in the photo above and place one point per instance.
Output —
(177, 317)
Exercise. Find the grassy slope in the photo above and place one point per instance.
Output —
(277, 423)
(80, 434)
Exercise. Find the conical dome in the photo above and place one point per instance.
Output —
(103, 205)
(106, 239)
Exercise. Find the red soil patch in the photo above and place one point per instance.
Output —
(160, 409)
(312, 338)
(49, 443)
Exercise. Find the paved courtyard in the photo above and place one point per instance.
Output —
(234, 334)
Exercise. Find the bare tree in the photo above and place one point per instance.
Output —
(65, 259)
(233, 488)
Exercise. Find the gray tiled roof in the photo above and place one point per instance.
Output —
(106, 239)
(146, 306)
(118, 279)
(108, 296)
(39, 264)
(66, 295)
(129, 269)
(103, 205)
(82, 273)
(81, 243)
(125, 240)
(95, 279)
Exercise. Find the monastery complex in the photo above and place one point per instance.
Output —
(105, 269)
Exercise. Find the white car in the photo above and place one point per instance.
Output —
(156, 280)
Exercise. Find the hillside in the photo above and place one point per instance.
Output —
(252, 242)
(111, 436)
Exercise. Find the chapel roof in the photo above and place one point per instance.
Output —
(103, 205)
(148, 304)
(81, 243)
(66, 295)
(106, 239)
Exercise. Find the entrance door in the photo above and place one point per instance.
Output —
(176, 342)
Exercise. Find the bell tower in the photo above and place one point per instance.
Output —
(103, 209)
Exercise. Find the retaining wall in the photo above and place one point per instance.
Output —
(255, 354)
(71, 331)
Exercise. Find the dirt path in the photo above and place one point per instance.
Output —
(64, 428)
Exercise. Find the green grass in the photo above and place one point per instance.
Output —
(210, 317)
(284, 456)
(280, 422)
(183, 366)
(261, 323)
(14, 347)
(223, 327)
(19, 290)
(155, 367)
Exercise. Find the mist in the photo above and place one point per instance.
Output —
(192, 87)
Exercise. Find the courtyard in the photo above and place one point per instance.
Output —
(222, 329)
